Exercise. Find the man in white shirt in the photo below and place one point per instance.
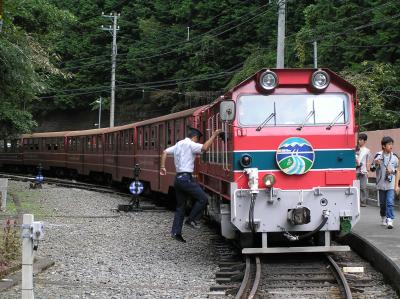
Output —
(363, 158)
(185, 152)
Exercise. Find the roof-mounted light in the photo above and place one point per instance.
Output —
(320, 80)
(268, 80)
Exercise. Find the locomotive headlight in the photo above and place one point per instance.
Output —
(268, 80)
(245, 161)
(269, 180)
(320, 80)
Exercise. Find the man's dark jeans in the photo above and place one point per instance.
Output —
(185, 187)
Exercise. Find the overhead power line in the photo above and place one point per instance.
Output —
(140, 86)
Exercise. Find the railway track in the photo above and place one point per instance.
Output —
(64, 183)
(148, 206)
(315, 278)
(297, 276)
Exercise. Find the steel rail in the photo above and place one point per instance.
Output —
(340, 277)
(64, 183)
(245, 281)
(256, 279)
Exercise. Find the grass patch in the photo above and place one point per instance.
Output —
(10, 206)
(10, 246)
(31, 203)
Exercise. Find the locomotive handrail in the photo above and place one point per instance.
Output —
(212, 144)
(209, 134)
(226, 146)
(217, 139)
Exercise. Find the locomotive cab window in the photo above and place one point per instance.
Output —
(146, 138)
(281, 110)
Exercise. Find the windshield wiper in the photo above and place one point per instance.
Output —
(265, 121)
(335, 120)
(312, 112)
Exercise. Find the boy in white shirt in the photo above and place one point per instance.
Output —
(362, 165)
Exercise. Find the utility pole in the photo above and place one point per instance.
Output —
(113, 30)
(315, 55)
(99, 102)
(280, 51)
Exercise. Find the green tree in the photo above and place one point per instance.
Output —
(378, 95)
(26, 68)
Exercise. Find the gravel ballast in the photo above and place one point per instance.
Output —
(100, 253)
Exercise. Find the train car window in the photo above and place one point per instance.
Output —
(94, 143)
(61, 143)
(161, 135)
(178, 130)
(25, 144)
(35, 144)
(146, 138)
(168, 134)
(120, 141)
(13, 145)
(106, 142)
(109, 142)
(153, 137)
(156, 135)
(130, 139)
(140, 138)
(100, 141)
(54, 144)
(78, 144)
(48, 144)
(127, 139)
(124, 141)
(88, 144)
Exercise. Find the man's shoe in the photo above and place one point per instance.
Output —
(363, 204)
(192, 223)
(389, 223)
(384, 223)
(178, 238)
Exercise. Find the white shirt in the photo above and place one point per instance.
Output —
(184, 154)
(364, 157)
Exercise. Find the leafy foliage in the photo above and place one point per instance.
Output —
(26, 70)
(63, 57)
(377, 95)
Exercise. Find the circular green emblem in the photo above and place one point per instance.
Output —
(295, 155)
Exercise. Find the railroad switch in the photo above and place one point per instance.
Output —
(38, 181)
(136, 188)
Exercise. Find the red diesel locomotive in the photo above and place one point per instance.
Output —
(284, 167)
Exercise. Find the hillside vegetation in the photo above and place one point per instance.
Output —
(54, 55)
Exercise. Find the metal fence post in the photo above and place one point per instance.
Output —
(27, 257)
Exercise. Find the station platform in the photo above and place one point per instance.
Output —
(376, 243)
